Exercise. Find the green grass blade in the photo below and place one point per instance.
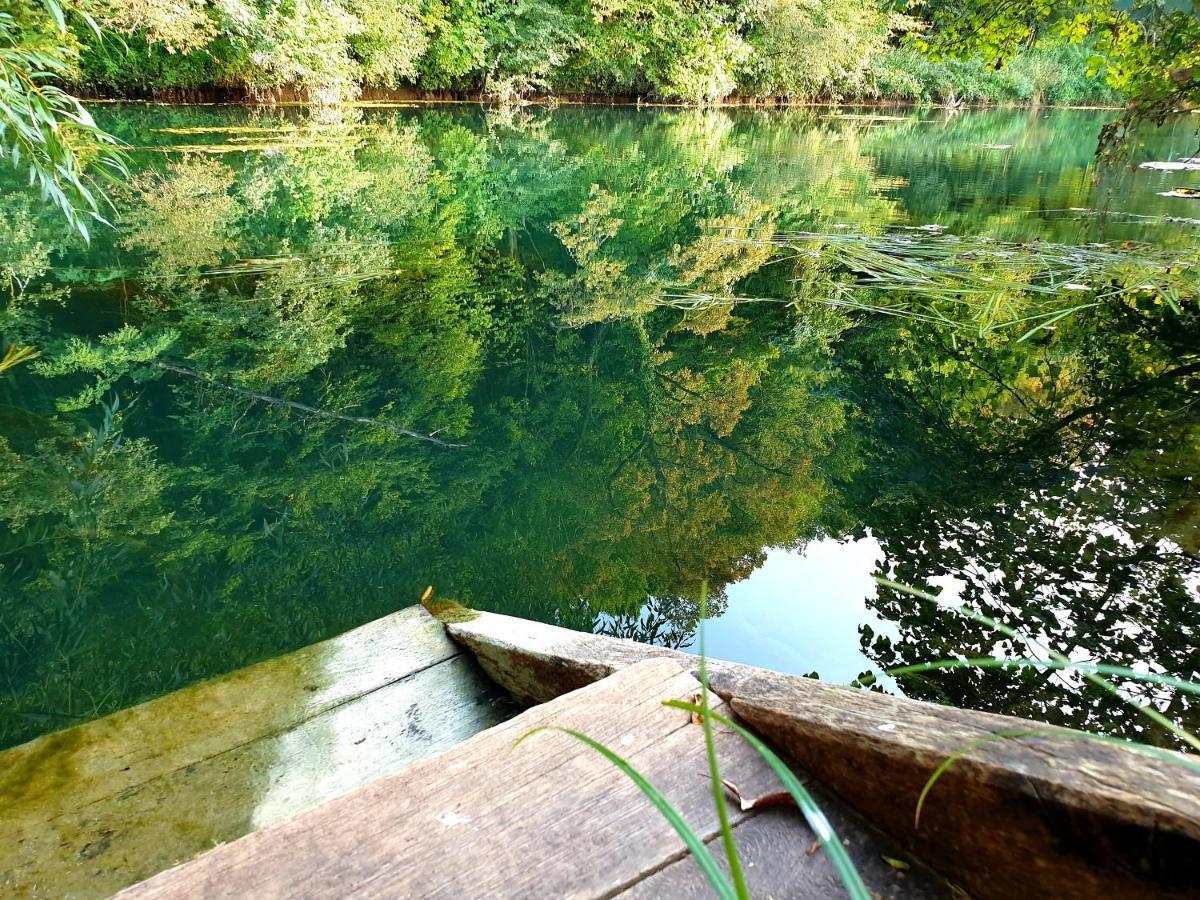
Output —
(708, 865)
(1100, 681)
(731, 853)
(955, 757)
(1045, 731)
(804, 800)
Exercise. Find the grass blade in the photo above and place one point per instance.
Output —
(1100, 681)
(990, 662)
(731, 853)
(708, 865)
(804, 800)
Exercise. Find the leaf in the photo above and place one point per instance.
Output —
(812, 813)
(772, 798)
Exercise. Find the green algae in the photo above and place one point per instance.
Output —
(448, 612)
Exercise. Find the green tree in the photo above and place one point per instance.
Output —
(43, 129)
(1150, 49)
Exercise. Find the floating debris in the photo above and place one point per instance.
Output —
(224, 129)
(262, 147)
(1184, 164)
(868, 117)
(1185, 193)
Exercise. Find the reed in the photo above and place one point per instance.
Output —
(982, 285)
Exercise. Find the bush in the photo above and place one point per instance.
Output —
(1055, 74)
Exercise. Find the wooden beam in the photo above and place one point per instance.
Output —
(547, 818)
(103, 805)
(1042, 814)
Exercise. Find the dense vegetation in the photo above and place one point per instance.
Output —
(694, 51)
(559, 293)
(673, 51)
(687, 50)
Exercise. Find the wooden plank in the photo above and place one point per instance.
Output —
(550, 818)
(1040, 814)
(780, 858)
(119, 840)
(70, 769)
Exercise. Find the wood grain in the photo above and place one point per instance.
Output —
(781, 861)
(111, 802)
(550, 818)
(69, 768)
(1040, 814)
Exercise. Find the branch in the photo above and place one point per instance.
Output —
(303, 407)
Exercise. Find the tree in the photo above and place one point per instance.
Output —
(1150, 49)
(43, 129)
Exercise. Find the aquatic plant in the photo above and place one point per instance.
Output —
(979, 284)
(14, 355)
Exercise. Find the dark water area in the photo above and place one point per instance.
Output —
(780, 353)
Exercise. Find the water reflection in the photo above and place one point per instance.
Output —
(644, 402)
(804, 612)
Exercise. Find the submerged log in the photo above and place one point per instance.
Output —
(1024, 808)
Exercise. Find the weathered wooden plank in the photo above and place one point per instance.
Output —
(1040, 814)
(547, 819)
(70, 769)
(119, 840)
(781, 860)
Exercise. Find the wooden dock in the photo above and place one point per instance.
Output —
(382, 763)
(550, 818)
(95, 808)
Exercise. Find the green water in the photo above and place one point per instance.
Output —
(639, 381)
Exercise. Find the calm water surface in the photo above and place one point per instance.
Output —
(651, 375)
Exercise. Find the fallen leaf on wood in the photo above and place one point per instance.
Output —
(773, 798)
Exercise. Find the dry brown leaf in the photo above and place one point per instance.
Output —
(772, 798)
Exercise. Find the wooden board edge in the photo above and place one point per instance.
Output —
(1042, 812)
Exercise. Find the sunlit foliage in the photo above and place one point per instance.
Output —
(645, 371)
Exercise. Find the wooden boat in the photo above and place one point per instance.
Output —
(382, 763)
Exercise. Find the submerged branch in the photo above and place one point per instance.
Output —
(303, 407)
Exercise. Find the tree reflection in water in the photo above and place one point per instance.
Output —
(644, 402)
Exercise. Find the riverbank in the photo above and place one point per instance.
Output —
(1043, 76)
(379, 97)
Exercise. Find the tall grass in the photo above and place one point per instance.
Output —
(981, 285)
